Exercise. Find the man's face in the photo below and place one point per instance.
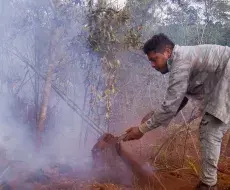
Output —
(158, 60)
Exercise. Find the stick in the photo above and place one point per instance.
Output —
(186, 137)
(189, 132)
(3, 173)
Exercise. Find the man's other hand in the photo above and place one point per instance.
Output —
(133, 133)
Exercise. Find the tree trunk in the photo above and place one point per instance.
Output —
(36, 79)
(47, 89)
(44, 105)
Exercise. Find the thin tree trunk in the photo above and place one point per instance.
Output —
(47, 89)
(36, 79)
(44, 105)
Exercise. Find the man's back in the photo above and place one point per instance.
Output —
(209, 78)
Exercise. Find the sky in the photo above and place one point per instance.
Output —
(117, 3)
(121, 3)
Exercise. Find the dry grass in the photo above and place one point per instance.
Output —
(178, 156)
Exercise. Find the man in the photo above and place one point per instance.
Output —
(199, 71)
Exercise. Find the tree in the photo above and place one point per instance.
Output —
(53, 30)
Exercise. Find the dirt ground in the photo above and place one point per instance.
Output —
(179, 159)
(174, 155)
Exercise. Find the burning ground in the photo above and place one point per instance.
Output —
(174, 162)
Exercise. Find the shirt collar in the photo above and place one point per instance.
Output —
(172, 58)
(174, 52)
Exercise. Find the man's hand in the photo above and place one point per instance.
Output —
(133, 133)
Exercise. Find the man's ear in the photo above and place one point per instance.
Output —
(168, 52)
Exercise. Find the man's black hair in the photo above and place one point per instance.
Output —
(158, 43)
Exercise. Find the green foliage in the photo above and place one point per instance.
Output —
(197, 22)
(105, 28)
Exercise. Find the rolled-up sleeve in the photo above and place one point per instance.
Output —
(178, 84)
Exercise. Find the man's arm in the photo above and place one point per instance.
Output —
(178, 84)
(149, 115)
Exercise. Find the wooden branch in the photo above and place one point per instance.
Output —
(22, 83)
